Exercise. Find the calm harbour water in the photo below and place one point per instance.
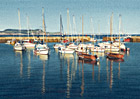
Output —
(25, 75)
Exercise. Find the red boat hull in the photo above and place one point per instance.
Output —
(87, 61)
(86, 56)
(127, 40)
(115, 56)
(117, 60)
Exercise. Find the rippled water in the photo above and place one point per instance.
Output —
(25, 75)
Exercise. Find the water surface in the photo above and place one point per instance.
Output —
(25, 75)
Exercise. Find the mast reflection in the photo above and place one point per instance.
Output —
(21, 63)
(93, 63)
(99, 72)
(111, 74)
(119, 71)
(43, 78)
(43, 58)
(93, 71)
(83, 83)
(68, 79)
(71, 71)
(107, 69)
(111, 70)
(29, 64)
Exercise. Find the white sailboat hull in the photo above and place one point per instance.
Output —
(41, 49)
(19, 47)
(42, 52)
(97, 50)
(66, 51)
(29, 45)
(58, 46)
(112, 50)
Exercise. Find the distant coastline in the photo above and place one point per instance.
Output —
(25, 32)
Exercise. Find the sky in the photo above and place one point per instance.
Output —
(99, 10)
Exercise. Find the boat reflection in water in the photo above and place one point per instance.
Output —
(70, 62)
(83, 82)
(21, 62)
(116, 60)
(71, 71)
(94, 62)
(68, 56)
(29, 62)
(84, 62)
(111, 70)
(68, 79)
(99, 54)
(43, 58)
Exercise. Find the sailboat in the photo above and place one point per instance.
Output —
(59, 45)
(72, 45)
(18, 45)
(66, 49)
(111, 54)
(83, 55)
(42, 48)
(96, 48)
(27, 43)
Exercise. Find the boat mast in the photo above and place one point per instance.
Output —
(44, 30)
(28, 26)
(68, 22)
(92, 30)
(99, 30)
(19, 22)
(108, 31)
(119, 30)
(82, 33)
(74, 27)
(61, 27)
(111, 28)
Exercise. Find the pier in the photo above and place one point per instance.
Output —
(47, 39)
(58, 39)
(133, 38)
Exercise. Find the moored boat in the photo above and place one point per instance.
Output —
(111, 54)
(86, 56)
(28, 44)
(19, 47)
(8, 42)
(66, 50)
(127, 39)
(56, 46)
(115, 55)
(72, 46)
(41, 49)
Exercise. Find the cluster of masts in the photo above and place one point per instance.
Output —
(112, 49)
(84, 51)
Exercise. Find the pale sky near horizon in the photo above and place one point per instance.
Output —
(99, 10)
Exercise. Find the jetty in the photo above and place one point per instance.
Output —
(133, 38)
(48, 39)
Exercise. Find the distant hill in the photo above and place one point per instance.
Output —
(24, 32)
